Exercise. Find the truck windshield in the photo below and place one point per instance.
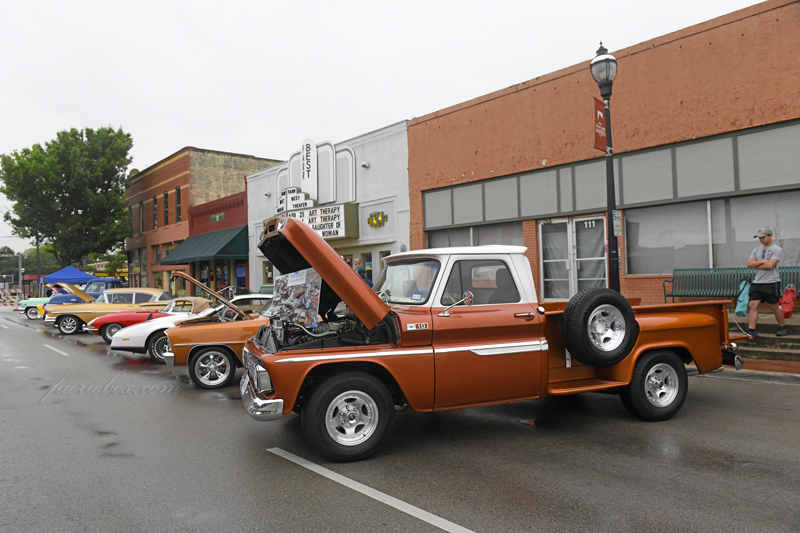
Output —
(407, 281)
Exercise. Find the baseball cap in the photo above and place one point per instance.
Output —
(764, 232)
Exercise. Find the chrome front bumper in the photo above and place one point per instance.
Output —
(258, 408)
(169, 358)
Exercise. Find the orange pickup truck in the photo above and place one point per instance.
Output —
(450, 328)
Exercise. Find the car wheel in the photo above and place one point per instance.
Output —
(658, 387)
(109, 330)
(348, 417)
(212, 368)
(157, 346)
(598, 327)
(69, 324)
(31, 312)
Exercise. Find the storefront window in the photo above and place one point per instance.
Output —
(663, 238)
(240, 266)
(734, 221)
(508, 233)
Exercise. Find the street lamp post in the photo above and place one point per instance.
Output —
(604, 70)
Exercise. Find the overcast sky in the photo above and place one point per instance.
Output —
(258, 77)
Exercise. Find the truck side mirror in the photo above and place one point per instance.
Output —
(468, 299)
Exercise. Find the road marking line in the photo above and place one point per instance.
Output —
(416, 512)
(65, 354)
(2, 326)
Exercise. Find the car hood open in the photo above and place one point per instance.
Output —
(216, 295)
(292, 245)
(76, 291)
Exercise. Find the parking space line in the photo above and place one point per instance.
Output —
(2, 326)
(65, 354)
(416, 512)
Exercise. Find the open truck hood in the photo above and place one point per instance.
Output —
(292, 245)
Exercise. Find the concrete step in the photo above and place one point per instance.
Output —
(774, 354)
(767, 340)
(768, 328)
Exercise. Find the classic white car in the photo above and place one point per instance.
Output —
(149, 337)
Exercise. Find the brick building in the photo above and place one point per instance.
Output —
(159, 199)
(706, 130)
(216, 249)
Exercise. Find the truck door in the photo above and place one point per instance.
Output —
(489, 351)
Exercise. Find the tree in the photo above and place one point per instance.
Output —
(70, 194)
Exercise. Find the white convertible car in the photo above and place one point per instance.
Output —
(149, 337)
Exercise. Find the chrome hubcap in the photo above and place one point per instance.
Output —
(352, 418)
(160, 347)
(69, 324)
(212, 368)
(112, 330)
(606, 328)
(661, 385)
(32, 312)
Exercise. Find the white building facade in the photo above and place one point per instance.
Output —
(354, 194)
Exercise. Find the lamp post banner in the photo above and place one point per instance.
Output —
(600, 125)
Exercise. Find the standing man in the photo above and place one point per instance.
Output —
(766, 285)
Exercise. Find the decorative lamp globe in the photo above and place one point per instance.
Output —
(604, 70)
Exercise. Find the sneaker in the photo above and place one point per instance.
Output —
(781, 332)
(753, 333)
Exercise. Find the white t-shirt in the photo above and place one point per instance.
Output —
(761, 253)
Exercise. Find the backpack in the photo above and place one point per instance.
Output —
(743, 297)
(787, 300)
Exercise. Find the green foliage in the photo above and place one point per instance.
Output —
(10, 265)
(71, 193)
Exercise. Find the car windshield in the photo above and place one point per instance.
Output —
(209, 311)
(101, 299)
(407, 281)
(264, 311)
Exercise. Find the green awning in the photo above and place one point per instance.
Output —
(223, 244)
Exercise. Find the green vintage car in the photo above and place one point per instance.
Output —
(28, 307)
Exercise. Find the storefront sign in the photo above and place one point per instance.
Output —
(308, 168)
(377, 219)
(291, 199)
(331, 221)
(600, 125)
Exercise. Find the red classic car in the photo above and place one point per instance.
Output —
(107, 325)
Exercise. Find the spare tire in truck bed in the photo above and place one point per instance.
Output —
(598, 327)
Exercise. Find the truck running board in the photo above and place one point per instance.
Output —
(582, 385)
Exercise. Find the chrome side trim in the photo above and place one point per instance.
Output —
(210, 343)
(500, 349)
(338, 357)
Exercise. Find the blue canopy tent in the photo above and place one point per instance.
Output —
(68, 275)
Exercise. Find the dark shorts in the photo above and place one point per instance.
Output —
(766, 292)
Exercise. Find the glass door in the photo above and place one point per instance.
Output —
(573, 256)
(555, 243)
(590, 253)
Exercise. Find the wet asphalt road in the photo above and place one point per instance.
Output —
(97, 441)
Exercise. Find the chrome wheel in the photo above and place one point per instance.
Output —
(351, 418)
(160, 347)
(606, 327)
(108, 331)
(213, 368)
(31, 313)
(68, 325)
(661, 385)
